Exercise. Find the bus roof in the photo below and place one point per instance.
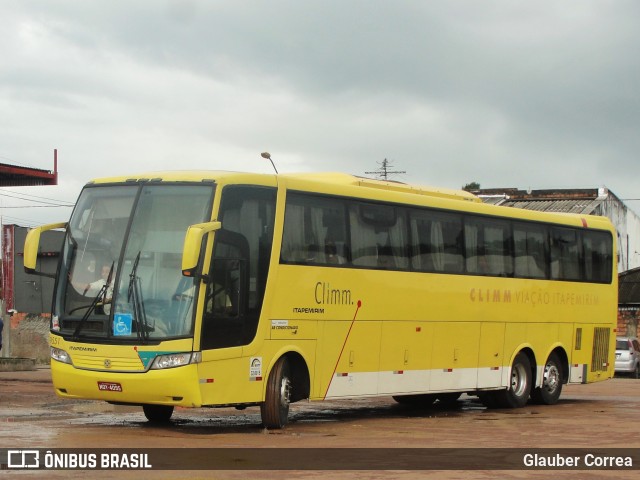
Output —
(343, 182)
(220, 176)
(323, 177)
(346, 179)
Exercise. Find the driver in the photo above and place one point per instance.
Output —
(92, 289)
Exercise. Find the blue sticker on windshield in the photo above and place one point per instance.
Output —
(122, 324)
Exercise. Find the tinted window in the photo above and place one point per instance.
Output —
(598, 256)
(378, 236)
(314, 231)
(334, 231)
(436, 241)
(565, 254)
(488, 249)
(530, 250)
(622, 345)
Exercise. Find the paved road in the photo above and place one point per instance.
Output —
(602, 415)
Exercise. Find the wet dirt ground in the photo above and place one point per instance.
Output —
(601, 415)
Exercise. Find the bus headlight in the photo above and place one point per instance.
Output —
(173, 360)
(60, 355)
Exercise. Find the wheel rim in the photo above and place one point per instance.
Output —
(285, 393)
(518, 380)
(551, 378)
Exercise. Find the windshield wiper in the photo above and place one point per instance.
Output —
(135, 292)
(102, 293)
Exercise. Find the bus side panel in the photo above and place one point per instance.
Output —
(455, 356)
(490, 357)
(226, 381)
(331, 337)
(514, 336)
(405, 361)
(541, 336)
(357, 364)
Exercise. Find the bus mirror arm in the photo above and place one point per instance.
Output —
(32, 245)
(193, 245)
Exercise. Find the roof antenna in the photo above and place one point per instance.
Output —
(267, 155)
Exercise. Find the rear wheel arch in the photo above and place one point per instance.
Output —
(564, 363)
(528, 351)
(521, 378)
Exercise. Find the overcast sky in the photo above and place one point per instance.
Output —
(524, 94)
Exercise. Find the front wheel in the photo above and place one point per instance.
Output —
(551, 388)
(158, 413)
(275, 408)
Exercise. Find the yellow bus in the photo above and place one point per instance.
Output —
(205, 289)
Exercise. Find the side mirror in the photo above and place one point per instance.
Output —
(193, 245)
(32, 244)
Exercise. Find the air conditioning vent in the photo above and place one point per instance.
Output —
(600, 356)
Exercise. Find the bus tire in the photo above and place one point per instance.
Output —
(275, 408)
(517, 394)
(417, 400)
(551, 388)
(158, 413)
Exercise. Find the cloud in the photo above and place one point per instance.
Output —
(505, 93)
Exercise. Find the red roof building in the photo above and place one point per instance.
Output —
(15, 176)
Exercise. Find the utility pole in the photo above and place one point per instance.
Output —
(383, 172)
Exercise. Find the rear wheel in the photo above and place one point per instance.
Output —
(517, 394)
(551, 388)
(158, 413)
(275, 408)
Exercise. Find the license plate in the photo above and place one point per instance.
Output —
(109, 387)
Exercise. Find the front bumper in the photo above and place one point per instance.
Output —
(173, 386)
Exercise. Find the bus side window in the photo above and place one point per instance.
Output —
(488, 247)
(436, 242)
(597, 247)
(565, 254)
(530, 255)
(378, 236)
(314, 231)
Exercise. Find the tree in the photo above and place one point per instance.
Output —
(471, 186)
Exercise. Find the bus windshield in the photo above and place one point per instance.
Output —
(121, 271)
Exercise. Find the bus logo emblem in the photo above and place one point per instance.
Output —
(107, 363)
